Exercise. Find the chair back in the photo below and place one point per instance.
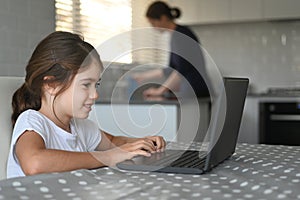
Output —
(8, 85)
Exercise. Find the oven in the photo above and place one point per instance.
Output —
(280, 123)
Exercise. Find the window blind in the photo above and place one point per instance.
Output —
(99, 20)
(96, 20)
(68, 15)
(153, 37)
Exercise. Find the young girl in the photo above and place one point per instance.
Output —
(51, 130)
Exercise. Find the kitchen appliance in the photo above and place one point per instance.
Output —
(280, 123)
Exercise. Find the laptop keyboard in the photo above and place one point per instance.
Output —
(188, 159)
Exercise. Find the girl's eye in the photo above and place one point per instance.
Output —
(86, 85)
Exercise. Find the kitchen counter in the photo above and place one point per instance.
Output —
(155, 116)
(138, 101)
(279, 92)
(149, 100)
(263, 97)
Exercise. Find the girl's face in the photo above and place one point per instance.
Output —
(78, 99)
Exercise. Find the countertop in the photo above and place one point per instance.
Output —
(152, 100)
(273, 95)
(263, 97)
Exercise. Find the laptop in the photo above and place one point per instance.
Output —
(221, 145)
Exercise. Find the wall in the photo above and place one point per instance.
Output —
(23, 23)
(267, 52)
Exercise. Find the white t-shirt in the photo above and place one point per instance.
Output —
(84, 137)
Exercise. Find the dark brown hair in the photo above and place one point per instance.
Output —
(159, 8)
(60, 55)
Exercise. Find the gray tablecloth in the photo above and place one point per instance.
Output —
(253, 172)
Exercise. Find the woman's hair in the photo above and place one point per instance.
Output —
(159, 8)
(59, 56)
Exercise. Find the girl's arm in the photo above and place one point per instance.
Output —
(34, 158)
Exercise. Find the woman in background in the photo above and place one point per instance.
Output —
(180, 72)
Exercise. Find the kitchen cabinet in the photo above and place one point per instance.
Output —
(246, 10)
(137, 120)
(214, 11)
(249, 129)
(174, 121)
(190, 13)
(281, 9)
(202, 11)
(232, 11)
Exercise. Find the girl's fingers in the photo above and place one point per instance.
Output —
(145, 145)
(159, 142)
(150, 143)
(142, 153)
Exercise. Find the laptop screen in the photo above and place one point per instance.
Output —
(224, 146)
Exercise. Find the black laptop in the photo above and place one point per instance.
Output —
(220, 146)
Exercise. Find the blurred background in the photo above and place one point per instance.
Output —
(259, 39)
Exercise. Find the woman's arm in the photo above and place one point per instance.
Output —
(170, 84)
(148, 75)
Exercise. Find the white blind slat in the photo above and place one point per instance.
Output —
(100, 20)
(96, 20)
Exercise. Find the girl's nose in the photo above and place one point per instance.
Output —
(94, 94)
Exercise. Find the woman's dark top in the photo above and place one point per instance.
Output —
(183, 52)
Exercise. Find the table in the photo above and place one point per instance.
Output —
(255, 171)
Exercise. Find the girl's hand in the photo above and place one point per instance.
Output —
(159, 142)
(143, 146)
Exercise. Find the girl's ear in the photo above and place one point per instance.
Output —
(49, 86)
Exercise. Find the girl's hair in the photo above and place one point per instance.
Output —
(159, 8)
(60, 55)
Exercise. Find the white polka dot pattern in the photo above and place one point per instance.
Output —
(253, 172)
